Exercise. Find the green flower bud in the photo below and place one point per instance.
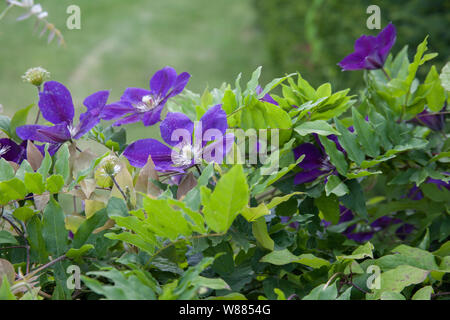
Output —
(36, 76)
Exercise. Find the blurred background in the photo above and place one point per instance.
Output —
(122, 43)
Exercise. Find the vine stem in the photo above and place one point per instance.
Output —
(45, 266)
(181, 240)
(6, 11)
(386, 74)
(39, 109)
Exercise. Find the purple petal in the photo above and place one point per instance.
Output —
(11, 151)
(152, 117)
(181, 123)
(403, 231)
(214, 118)
(56, 103)
(96, 101)
(88, 120)
(57, 134)
(137, 153)
(130, 119)
(313, 157)
(116, 110)
(162, 81)
(386, 39)
(180, 84)
(307, 176)
(134, 95)
(216, 151)
(41, 133)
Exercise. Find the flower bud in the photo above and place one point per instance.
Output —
(36, 76)
(111, 166)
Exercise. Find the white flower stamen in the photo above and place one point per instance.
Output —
(72, 130)
(4, 149)
(147, 103)
(186, 155)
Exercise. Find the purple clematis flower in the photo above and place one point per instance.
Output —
(146, 105)
(376, 226)
(370, 51)
(416, 194)
(434, 121)
(314, 165)
(187, 142)
(56, 105)
(11, 151)
(267, 97)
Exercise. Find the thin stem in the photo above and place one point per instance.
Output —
(13, 247)
(5, 11)
(386, 74)
(39, 109)
(45, 266)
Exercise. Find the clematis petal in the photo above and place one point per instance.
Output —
(97, 101)
(116, 110)
(56, 103)
(162, 81)
(313, 157)
(214, 118)
(180, 84)
(88, 120)
(56, 134)
(134, 95)
(386, 39)
(11, 151)
(30, 132)
(217, 150)
(152, 117)
(176, 121)
(137, 153)
(307, 176)
(354, 61)
(130, 119)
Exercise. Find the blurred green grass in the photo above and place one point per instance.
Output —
(122, 43)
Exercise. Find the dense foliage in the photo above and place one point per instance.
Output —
(351, 200)
(312, 35)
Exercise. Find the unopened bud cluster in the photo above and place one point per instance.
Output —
(36, 76)
(110, 166)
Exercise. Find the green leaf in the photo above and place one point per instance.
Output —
(335, 186)
(164, 220)
(5, 124)
(34, 183)
(252, 214)
(392, 296)
(5, 291)
(54, 183)
(363, 251)
(445, 76)
(423, 293)
(77, 253)
(46, 164)
(229, 198)
(323, 293)
(54, 229)
(259, 229)
(24, 213)
(62, 162)
(319, 127)
(215, 284)
(13, 189)
(329, 207)
(397, 279)
(19, 119)
(6, 237)
(282, 257)
(349, 143)
(355, 199)
(365, 134)
(337, 158)
(6, 170)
